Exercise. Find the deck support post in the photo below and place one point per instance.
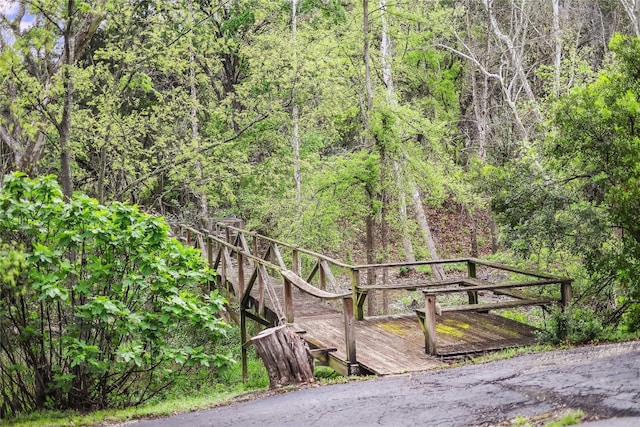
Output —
(350, 336)
(430, 338)
(471, 272)
(288, 301)
(243, 343)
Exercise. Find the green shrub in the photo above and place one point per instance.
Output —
(98, 306)
(578, 325)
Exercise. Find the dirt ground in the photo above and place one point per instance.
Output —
(603, 381)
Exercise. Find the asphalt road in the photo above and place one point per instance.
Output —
(603, 381)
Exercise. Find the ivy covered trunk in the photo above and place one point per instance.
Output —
(285, 356)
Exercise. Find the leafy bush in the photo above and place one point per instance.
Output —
(99, 307)
(578, 325)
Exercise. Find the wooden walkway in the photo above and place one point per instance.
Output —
(272, 289)
(395, 344)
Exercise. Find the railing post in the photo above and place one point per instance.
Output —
(358, 295)
(350, 335)
(288, 301)
(255, 246)
(188, 237)
(240, 275)
(210, 251)
(471, 272)
(223, 268)
(295, 260)
(227, 234)
(430, 338)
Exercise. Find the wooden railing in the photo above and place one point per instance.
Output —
(259, 258)
(327, 278)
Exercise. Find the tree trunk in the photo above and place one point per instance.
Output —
(295, 112)
(203, 204)
(64, 127)
(436, 269)
(632, 7)
(557, 47)
(285, 355)
(368, 106)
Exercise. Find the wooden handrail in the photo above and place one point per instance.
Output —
(289, 245)
(296, 280)
(310, 289)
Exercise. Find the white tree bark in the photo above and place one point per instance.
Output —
(203, 205)
(392, 101)
(557, 47)
(632, 7)
(295, 112)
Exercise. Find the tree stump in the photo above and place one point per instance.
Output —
(285, 356)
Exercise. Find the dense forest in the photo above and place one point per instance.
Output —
(348, 127)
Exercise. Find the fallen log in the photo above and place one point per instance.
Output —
(285, 355)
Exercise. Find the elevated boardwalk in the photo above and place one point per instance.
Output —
(329, 313)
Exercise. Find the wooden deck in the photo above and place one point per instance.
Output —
(395, 344)
(333, 323)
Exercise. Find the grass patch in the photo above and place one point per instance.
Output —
(549, 419)
(195, 393)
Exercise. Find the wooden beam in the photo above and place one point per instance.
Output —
(496, 305)
(417, 285)
(328, 274)
(497, 286)
(514, 269)
(257, 318)
(313, 271)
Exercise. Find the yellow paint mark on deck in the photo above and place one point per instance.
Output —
(394, 328)
(452, 328)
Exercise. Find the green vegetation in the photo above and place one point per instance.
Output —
(554, 419)
(577, 205)
(99, 307)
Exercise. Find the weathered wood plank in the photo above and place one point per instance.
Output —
(497, 305)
